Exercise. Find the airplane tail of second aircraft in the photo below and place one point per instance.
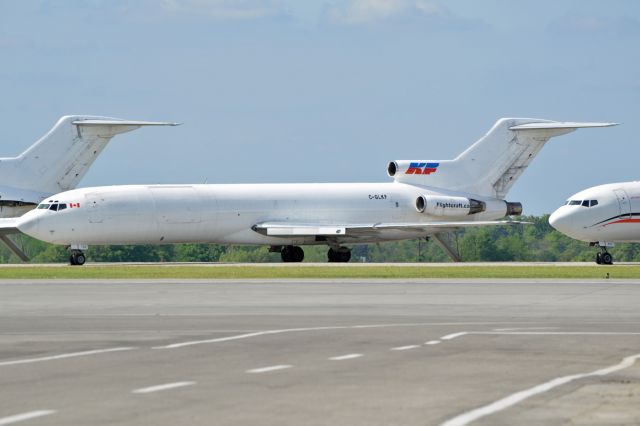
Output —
(59, 160)
(492, 165)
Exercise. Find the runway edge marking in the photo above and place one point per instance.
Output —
(515, 398)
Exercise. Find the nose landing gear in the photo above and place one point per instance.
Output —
(77, 258)
(604, 257)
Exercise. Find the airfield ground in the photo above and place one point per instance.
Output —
(319, 352)
(587, 270)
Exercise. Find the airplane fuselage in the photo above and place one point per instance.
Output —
(614, 217)
(226, 214)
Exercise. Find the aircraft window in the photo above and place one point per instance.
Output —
(62, 207)
(585, 203)
(594, 203)
(43, 206)
(575, 202)
(54, 207)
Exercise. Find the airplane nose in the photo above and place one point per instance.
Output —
(29, 225)
(560, 221)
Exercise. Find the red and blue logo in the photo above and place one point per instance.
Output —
(422, 168)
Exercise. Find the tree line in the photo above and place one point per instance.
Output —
(537, 241)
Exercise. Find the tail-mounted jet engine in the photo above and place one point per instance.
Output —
(439, 205)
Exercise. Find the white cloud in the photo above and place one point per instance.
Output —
(368, 11)
(226, 9)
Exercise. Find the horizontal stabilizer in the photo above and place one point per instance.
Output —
(122, 123)
(559, 125)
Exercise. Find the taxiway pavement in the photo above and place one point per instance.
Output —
(312, 352)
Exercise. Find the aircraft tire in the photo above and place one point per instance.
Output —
(598, 258)
(606, 258)
(342, 255)
(77, 258)
(80, 259)
(292, 254)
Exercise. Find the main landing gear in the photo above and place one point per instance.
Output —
(341, 254)
(292, 254)
(604, 257)
(77, 258)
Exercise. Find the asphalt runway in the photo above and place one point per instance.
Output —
(405, 352)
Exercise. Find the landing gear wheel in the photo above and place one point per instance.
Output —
(342, 254)
(77, 258)
(606, 258)
(598, 258)
(292, 254)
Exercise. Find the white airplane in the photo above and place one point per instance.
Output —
(601, 215)
(56, 162)
(426, 198)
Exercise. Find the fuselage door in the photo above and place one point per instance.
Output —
(623, 202)
(95, 205)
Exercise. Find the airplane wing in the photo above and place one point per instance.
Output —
(10, 226)
(355, 230)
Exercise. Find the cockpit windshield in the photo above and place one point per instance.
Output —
(52, 205)
(583, 203)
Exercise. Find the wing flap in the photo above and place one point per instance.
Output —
(284, 229)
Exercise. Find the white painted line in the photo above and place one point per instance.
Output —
(163, 387)
(268, 369)
(524, 328)
(63, 356)
(291, 330)
(501, 404)
(556, 333)
(405, 348)
(453, 336)
(343, 357)
(432, 342)
(25, 416)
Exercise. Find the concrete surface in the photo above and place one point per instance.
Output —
(319, 352)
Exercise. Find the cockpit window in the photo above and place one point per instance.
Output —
(43, 206)
(594, 203)
(575, 202)
(62, 207)
(54, 207)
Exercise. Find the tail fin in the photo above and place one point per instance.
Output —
(492, 165)
(59, 160)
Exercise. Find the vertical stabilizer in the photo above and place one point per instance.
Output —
(492, 165)
(59, 160)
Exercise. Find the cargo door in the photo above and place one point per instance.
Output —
(623, 202)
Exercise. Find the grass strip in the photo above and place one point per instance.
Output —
(343, 271)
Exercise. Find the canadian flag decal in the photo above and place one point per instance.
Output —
(72, 205)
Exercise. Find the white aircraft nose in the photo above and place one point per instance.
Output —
(28, 224)
(561, 221)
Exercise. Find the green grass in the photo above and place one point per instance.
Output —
(292, 271)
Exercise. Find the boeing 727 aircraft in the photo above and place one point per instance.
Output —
(601, 215)
(426, 198)
(56, 162)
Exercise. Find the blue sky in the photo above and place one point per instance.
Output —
(325, 90)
